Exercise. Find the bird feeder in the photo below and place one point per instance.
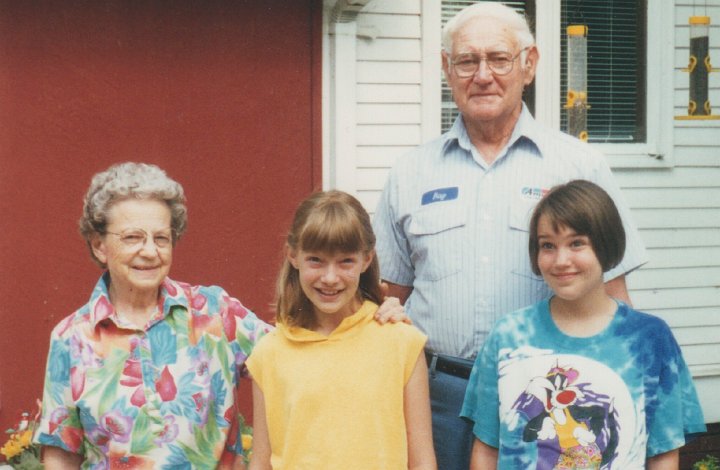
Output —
(699, 67)
(577, 103)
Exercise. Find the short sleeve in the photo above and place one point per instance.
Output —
(392, 245)
(60, 424)
(257, 361)
(482, 403)
(243, 329)
(675, 413)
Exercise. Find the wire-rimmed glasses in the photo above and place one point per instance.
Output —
(499, 63)
(135, 238)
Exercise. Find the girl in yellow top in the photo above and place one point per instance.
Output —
(332, 388)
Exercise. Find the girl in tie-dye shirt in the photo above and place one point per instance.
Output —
(580, 380)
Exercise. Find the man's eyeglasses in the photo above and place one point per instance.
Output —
(499, 63)
(135, 238)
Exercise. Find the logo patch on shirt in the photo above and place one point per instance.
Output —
(440, 195)
(533, 194)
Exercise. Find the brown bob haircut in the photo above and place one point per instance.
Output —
(328, 222)
(587, 209)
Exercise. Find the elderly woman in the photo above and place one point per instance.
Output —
(144, 375)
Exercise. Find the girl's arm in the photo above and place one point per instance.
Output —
(260, 459)
(665, 461)
(483, 457)
(60, 459)
(418, 423)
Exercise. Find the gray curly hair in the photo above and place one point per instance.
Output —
(126, 181)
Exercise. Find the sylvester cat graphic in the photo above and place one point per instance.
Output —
(575, 428)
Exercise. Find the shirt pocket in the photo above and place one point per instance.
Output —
(436, 235)
(521, 211)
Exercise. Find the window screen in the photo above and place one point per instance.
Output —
(616, 67)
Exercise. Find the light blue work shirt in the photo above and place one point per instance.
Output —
(455, 228)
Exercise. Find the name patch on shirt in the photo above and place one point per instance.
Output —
(534, 194)
(440, 195)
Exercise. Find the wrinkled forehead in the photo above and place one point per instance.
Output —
(484, 34)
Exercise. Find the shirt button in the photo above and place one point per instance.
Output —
(484, 259)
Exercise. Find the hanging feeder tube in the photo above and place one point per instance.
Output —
(699, 68)
(577, 96)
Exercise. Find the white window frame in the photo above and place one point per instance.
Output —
(657, 151)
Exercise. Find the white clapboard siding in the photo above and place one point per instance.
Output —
(397, 134)
(698, 156)
(388, 113)
(708, 134)
(680, 237)
(651, 299)
(382, 72)
(389, 49)
(371, 179)
(677, 177)
(688, 317)
(699, 335)
(376, 156)
(369, 199)
(664, 198)
(405, 26)
(388, 93)
(676, 278)
(684, 257)
(705, 354)
(677, 218)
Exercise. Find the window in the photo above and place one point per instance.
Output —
(630, 116)
(615, 67)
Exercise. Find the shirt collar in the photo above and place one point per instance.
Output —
(526, 129)
(299, 334)
(171, 295)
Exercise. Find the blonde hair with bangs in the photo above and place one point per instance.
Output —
(329, 222)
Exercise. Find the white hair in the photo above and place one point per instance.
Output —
(517, 22)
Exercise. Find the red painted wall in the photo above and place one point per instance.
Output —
(224, 95)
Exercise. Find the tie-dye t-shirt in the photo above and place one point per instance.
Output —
(552, 401)
(159, 397)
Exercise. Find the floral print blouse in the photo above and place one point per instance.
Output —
(161, 397)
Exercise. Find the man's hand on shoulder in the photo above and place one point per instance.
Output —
(392, 309)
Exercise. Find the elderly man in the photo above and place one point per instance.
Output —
(453, 218)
